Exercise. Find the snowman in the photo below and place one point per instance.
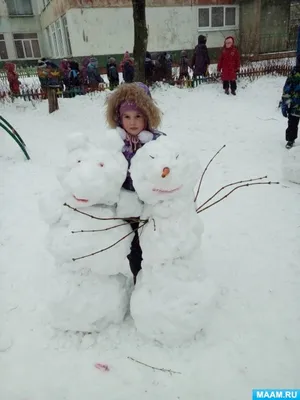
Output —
(172, 297)
(88, 240)
(291, 165)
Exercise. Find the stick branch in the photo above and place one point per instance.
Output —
(206, 168)
(100, 230)
(154, 368)
(103, 219)
(109, 247)
(226, 186)
(233, 190)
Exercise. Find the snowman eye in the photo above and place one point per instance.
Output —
(79, 161)
(101, 164)
(177, 156)
(151, 157)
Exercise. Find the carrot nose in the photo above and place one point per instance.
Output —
(165, 172)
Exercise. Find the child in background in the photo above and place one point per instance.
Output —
(84, 73)
(13, 78)
(94, 77)
(184, 66)
(112, 73)
(131, 110)
(290, 104)
(64, 67)
(149, 68)
(127, 67)
(200, 60)
(229, 64)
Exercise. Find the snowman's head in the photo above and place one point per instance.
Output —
(163, 170)
(94, 176)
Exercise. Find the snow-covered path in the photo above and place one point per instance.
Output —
(251, 246)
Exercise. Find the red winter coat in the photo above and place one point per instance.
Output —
(229, 62)
(12, 77)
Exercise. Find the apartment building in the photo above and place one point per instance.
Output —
(62, 28)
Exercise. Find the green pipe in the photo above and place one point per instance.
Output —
(15, 138)
(13, 130)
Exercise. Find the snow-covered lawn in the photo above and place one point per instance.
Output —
(251, 246)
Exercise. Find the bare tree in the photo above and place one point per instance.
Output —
(140, 38)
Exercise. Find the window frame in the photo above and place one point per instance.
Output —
(2, 39)
(22, 40)
(209, 28)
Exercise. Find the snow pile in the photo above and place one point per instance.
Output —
(171, 299)
(91, 183)
(291, 165)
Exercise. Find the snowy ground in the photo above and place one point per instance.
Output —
(251, 247)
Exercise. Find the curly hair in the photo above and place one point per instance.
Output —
(132, 92)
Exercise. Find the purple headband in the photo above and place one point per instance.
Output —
(129, 106)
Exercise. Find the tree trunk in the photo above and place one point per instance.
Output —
(140, 38)
(52, 99)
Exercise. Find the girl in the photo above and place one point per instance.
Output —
(229, 64)
(13, 78)
(131, 110)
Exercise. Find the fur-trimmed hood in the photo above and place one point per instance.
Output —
(132, 92)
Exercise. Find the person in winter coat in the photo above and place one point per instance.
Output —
(112, 73)
(200, 61)
(229, 65)
(131, 110)
(127, 67)
(42, 72)
(93, 74)
(74, 75)
(149, 68)
(84, 75)
(12, 77)
(184, 66)
(290, 104)
(64, 67)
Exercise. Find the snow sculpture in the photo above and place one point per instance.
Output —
(96, 287)
(291, 165)
(171, 299)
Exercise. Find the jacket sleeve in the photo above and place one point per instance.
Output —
(220, 63)
(287, 91)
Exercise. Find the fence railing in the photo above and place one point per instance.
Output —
(245, 72)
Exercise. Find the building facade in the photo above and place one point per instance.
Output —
(63, 28)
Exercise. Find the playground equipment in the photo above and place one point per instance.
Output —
(14, 134)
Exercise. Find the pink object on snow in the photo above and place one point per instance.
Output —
(102, 367)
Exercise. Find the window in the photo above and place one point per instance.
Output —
(54, 41)
(217, 17)
(59, 38)
(27, 45)
(3, 50)
(67, 35)
(49, 40)
(19, 7)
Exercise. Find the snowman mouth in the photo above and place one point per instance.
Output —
(167, 191)
(80, 200)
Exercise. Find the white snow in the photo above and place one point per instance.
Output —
(250, 248)
(291, 165)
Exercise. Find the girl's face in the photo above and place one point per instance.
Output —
(133, 122)
(228, 43)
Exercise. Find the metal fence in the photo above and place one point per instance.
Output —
(250, 72)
